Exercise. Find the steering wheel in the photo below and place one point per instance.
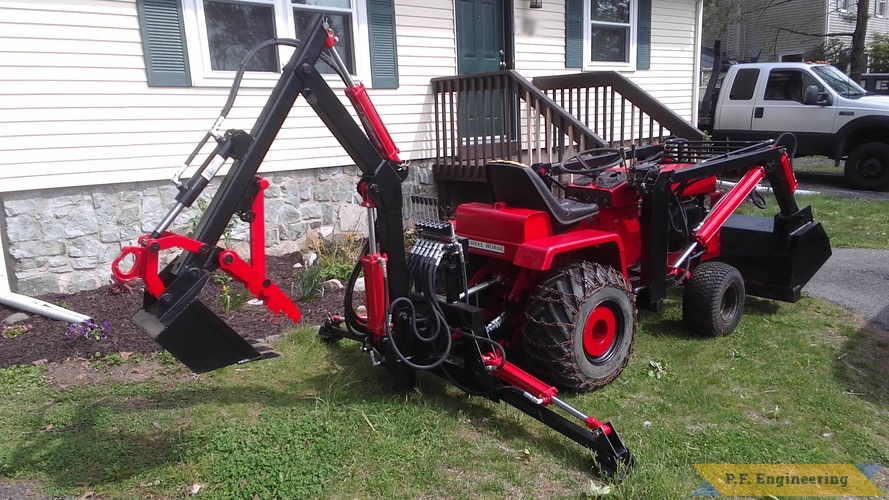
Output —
(592, 161)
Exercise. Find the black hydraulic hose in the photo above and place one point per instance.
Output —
(413, 312)
(353, 322)
(791, 150)
(242, 68)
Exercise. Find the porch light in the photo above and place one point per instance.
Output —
(536, 4)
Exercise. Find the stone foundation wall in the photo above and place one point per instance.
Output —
(64, 240)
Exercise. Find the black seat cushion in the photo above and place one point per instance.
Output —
(518, 185)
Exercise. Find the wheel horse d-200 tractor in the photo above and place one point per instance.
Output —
(513, 301)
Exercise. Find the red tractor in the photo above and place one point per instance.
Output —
(512, 300)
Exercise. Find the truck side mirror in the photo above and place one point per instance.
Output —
(814, 96)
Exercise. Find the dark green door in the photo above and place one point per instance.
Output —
(481, 48)
(480, 36)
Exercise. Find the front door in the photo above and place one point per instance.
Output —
(481, 48)
(481, 44)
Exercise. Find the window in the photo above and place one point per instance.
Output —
(611, 30)
(789, 85)
(843, 5)
(791, 58)
(232, 29)
(880, 8)
(228, 29)
(744, 85)
(612, 33)
(189, 42)
(340, 14)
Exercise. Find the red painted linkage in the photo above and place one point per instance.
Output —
(252, 275)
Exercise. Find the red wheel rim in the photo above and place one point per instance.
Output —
(599, 331)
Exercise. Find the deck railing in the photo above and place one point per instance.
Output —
(615, 108)
(500, 115)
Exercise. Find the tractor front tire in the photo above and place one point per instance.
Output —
(713, 299)
(580, 326)
(867, 167)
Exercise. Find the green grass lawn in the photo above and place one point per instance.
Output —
(850, 223)
(800, 383)
(795, 383)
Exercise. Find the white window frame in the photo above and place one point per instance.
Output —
(202, 74)
(588, 36)
(782, 55)
(880, 8)
(842, 5)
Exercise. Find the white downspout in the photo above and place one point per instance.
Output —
(696, 80)
(31, 304)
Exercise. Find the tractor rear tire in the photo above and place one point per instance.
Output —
(580, 326)
(713, 299)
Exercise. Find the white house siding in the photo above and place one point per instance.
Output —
(87, 147)
(844, 22)
(75, 108)
(767, 28)
(767, 23)
(540, 50)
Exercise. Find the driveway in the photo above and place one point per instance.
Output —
(857, 280)
(853, 278)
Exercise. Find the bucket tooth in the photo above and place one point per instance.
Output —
(198, 338)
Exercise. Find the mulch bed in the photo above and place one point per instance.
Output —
(48, 342)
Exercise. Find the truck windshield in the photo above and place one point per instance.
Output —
(838, 80)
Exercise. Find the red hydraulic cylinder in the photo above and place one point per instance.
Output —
(373, 125)
(513, 375)
(375, 293)
(727, 204)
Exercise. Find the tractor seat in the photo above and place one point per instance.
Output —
(518, 185)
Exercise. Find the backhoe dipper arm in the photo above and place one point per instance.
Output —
(171, 312)
(384, 177)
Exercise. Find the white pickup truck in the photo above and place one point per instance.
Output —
(828, 112)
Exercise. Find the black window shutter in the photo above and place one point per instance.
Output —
(574, 33)
(383, 54)
(643, 36)
(163, 43)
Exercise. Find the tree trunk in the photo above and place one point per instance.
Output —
(859, 40)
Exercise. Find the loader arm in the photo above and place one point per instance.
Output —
(755, 162)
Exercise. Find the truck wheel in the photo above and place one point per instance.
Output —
(867, 167)
(580, 326)
(713, 299)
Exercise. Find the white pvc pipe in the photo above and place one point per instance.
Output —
(42, 308)
(30, 304)
(763, 189)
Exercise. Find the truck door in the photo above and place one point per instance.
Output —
(734, 111)
(779, 108)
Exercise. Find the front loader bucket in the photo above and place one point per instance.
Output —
(776, 257)
(199, 338)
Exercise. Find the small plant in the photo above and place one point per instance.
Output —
(118, 287)
(13, 331)
(89, 330)
(227, 300)
(231, 301)
(656, 369)
(337, 259)
(310, 281)
(60, 300)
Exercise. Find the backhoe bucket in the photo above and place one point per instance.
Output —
(199, 338)
(776, 257)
